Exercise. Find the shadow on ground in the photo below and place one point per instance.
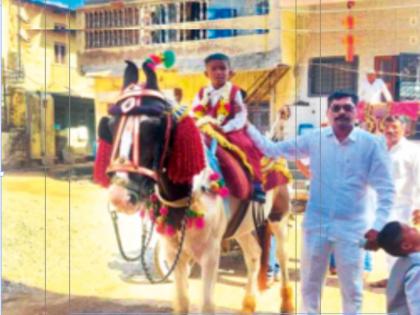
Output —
(19, 299)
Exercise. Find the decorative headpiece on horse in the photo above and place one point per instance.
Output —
(186, 154)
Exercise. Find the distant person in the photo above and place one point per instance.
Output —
(374, 89)
(403, 291)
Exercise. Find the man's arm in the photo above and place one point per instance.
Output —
(380, 178)
(412, 289)
(241, 115)
(291, 149)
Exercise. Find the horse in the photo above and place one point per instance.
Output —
(141, 166)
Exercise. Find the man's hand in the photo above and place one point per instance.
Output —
(416, 217)
(371, 240)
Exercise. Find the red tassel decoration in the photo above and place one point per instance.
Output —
(349, 48)
(103, 157)
(187, 155)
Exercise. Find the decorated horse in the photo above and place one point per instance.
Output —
(154, 160)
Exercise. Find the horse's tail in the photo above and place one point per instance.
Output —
(264, 232)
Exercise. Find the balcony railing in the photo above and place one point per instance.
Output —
(175, 21)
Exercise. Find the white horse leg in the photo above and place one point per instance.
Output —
(279, 230)
(181, 302)
(252, 254)
(209, 267)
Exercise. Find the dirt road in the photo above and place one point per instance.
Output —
(58, 239)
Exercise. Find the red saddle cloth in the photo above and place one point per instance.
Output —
(236, 178)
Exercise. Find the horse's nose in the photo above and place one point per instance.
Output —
(122, 199)
(133, 197)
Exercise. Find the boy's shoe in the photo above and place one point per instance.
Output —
(258, 193)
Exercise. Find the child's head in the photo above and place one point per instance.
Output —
(218, 69)
(399, 239)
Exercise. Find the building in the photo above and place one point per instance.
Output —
(250, 32)
(284, 52)
(45, 96)
(386, 38)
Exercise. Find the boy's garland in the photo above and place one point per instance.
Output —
(222, 108)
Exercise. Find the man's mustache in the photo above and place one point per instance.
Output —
(342, 117)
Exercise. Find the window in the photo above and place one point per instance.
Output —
(409, 81)
(330, 74)
(58, 27)
(263, 7)
(60, 53)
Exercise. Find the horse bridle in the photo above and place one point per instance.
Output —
(119, 164)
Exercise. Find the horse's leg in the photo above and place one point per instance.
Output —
(252, 254)
(181, 302)
(209, 267)
(278, 225)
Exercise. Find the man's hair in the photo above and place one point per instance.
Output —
(390, 238)
(217, 56)
(338, 95)
(393, 118)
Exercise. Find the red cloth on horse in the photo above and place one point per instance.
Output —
(103, 157)
(241, 139)
(274, 179)
(233, 173)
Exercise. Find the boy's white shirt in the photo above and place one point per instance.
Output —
(214, 95)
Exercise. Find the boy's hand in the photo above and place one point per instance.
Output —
(371, 240)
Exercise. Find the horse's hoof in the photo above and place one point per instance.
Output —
(287, 306)
(248, 305)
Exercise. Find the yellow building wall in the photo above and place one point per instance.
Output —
(43, 75)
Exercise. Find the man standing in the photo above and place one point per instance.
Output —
(405, 159)
(344, 160)
(372, 89)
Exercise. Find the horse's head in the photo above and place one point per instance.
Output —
(144, 132)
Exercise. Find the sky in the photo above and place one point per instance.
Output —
(73, 4)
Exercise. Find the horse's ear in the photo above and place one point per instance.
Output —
(151, 78)
(131, 74)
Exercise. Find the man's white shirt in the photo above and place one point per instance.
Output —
(405, 157)
(340, 174)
